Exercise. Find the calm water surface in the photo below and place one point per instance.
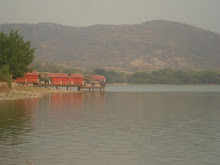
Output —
(125, 125)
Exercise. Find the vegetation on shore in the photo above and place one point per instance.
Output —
(165, 76)
(15, 56)
(5, 75)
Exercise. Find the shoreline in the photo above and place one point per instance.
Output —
(126, 84)
(29, 92)
(21, 92)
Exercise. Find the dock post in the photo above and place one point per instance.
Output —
(79, 89)
(67, 88)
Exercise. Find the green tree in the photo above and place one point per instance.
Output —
(99, 71)
(5, 75)
(69, 70)
(16, 53)
(111, 76)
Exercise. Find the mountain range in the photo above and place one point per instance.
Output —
(147, 46)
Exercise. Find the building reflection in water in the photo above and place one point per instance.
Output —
(18, 117)
(66, 102)
(78, 103)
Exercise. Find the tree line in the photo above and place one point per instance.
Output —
(164, 76)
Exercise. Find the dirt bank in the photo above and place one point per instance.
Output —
(27, 92)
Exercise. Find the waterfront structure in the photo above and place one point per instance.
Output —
(76, 79)
(58, 78)
(29, 78)
(98, 80)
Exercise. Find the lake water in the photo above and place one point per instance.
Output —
(125, 125)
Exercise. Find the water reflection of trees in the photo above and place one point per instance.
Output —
(15, 119)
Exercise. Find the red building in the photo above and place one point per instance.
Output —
(98, 78)
(98, 81)
(29, 78)
(76, 79)
(58, 78)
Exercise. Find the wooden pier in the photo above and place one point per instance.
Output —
(69, 86)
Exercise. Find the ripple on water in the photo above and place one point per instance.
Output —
(113, 128)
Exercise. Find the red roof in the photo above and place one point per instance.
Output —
(98, 77)
(76, 75)
(58, 75)
(34, 73)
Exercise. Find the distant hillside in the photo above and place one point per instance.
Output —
(147, 46)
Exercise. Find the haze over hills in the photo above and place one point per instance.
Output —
(148, 46)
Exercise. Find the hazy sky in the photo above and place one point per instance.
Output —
(201, 13)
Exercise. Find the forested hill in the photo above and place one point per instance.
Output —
(149, 46)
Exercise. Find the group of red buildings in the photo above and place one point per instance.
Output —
(58, 78)
(64, 79)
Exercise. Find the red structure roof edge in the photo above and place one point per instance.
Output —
(76, 75)
(58, 75)
(98, 77)
(33, 73)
